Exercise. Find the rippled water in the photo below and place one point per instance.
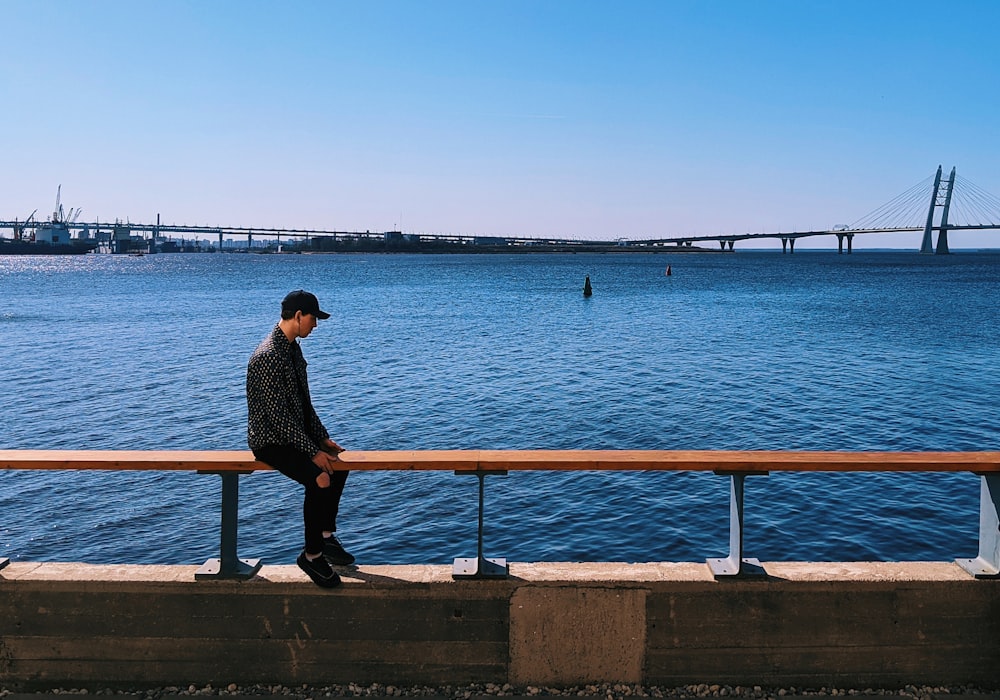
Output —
(870, 351)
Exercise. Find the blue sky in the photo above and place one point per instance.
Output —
(530, 118)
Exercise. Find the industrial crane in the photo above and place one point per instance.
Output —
(58, 216)
(19, 228)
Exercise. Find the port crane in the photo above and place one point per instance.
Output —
(58, 216)
(19, 228)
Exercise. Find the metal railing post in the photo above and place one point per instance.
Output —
(987, 564)
(228, 565)
(480, 566)
(735, 564)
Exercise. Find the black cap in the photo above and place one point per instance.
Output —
(301, 300)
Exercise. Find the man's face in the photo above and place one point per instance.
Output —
(306, 324)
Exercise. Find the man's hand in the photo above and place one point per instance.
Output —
(326, 461)
(331, 447)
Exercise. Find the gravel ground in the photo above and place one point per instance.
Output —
(605, 691)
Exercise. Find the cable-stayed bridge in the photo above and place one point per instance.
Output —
(932, 208)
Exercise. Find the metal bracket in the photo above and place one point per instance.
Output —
(987, 564)
(480, 566)
(228, 565)
(735, 565)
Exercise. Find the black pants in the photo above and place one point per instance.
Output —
(319, 509)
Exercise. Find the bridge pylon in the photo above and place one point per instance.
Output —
(940, 197)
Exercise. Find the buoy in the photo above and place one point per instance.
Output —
(668, 271)
(587, 291)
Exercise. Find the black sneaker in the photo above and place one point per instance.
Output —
(335, 552)
(318, 570)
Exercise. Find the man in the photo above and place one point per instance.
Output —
(284, 431)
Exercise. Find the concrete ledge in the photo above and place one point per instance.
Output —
(827, 624)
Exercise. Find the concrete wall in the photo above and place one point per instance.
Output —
(818, 624)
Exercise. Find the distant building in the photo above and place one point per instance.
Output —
(490, 240)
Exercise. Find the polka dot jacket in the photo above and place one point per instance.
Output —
(279, 409)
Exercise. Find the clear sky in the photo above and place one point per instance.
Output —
(571, 118)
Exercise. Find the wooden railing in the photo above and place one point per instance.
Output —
(736, 465)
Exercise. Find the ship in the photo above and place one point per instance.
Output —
(9, 247)
(51, 237)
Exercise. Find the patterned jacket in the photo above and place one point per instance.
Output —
(279, 408)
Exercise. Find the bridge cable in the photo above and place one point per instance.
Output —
(906, 210)
(976, 206)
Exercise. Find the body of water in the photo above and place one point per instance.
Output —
(747, 350)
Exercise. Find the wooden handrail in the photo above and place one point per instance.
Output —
(122, 460)
(736, 464)
(751, 461)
